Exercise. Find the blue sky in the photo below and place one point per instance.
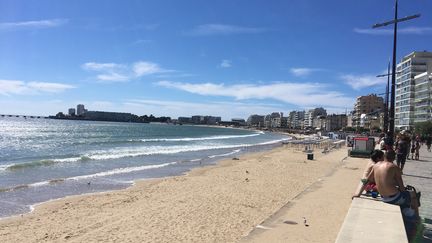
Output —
(180, 58)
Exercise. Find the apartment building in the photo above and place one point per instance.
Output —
(422, 97)
(367, 106)
(296, 119)
(410, 66)
(312, 115)
(336, 122)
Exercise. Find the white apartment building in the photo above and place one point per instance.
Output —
(410, 66)
(308, 121)
(312, 116)
(422, 100)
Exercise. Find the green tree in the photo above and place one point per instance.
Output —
(423, 127)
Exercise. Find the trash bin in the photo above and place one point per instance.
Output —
(310, 156)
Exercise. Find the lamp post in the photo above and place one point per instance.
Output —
(386, 103)
(393, 80)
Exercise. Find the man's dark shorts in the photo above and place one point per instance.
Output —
(401, 158)
(402, 199)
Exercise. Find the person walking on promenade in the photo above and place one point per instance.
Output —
(413, 147)
(417, 150)
(401, 150)
(410, 140)
(428, 142)
(388, 142)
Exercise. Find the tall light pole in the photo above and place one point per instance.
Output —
(386, 103)
(393, 80)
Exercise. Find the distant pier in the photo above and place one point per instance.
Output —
(23, 116)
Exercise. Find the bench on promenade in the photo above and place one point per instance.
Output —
(370, 220)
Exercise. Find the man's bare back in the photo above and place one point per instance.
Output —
(388, 178)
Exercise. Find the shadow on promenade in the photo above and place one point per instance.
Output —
(423, 177)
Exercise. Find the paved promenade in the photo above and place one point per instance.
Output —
(418, 173)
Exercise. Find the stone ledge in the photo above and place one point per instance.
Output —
(369, 220)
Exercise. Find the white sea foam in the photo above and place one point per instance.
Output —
(121, 171)
(158, 150)
(37, 184)
(199, 138)
(4, 167)
(227, 154)
(118, 153)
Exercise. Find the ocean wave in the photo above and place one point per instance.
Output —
(226, 154)
(140, 140)
(95, 175)
(44, 162)
(121, 171)
(157, 150)
(119, 153)
(196, 139)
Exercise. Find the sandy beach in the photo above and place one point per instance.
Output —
(221, 203)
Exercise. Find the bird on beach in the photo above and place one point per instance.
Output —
(305, 222)
(247, 172)
(247, 180)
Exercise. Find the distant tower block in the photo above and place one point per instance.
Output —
(80, 110)
(71, 112)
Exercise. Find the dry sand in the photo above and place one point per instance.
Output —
(222, 203)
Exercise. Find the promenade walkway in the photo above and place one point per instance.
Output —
(418, 173)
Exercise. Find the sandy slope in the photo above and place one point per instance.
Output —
(221, 203)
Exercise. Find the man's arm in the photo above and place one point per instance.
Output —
(398, 178)
(363, 183)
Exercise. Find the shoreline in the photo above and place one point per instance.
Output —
(203, 180)
(260, 149)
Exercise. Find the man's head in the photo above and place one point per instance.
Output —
(389, 155)
(377, 155)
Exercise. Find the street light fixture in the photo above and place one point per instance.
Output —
(393, 81)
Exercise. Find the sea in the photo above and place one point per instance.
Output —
(46, 159)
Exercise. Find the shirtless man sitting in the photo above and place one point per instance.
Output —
(388, 179)
(376, 156)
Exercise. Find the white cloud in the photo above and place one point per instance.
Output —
(112, 77)
(303, 72)
(46, 23)
(221, 29)
(146, 68)
(358, 82)
(113, 72)
(226, 64)
(9, 87)
(300, 94)
(93, 66)
(405, 30)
